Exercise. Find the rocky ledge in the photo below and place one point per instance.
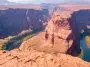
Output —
(33, 58)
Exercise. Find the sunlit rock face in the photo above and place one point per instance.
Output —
(62, 31)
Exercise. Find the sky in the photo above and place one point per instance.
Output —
(44, 1)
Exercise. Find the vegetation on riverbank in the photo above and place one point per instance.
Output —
(15, 41)
(87, 38)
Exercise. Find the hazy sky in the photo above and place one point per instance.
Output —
(44, 1)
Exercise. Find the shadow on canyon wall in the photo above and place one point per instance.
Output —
(13, 21)
(80, 20)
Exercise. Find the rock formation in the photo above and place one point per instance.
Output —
(62, 34)
(33, 58)
(59, 31)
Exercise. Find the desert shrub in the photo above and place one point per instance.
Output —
(28, 37)
(2, 46)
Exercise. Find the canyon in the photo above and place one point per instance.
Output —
(57, 46)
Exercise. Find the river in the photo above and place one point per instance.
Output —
(86, 50)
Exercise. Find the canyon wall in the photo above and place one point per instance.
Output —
(13, 21)
(82, 19)
(60, 31)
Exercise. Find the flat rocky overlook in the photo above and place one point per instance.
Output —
(33, 58)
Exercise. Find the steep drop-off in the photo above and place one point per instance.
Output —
(14, 21)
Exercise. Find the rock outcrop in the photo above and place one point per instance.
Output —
(33, 58)
(60, 31)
